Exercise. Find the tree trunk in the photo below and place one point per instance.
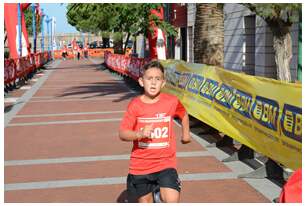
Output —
(282, 45)
(209, 34)
(126, 42)
(105, 42)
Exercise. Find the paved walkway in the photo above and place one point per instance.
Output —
(62, 145)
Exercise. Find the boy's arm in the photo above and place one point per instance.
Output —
(185, 129)
(130, 135)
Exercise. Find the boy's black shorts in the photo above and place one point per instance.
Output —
(140, 185)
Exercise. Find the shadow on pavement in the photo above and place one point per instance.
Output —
(8, 108)
(85, 66)
(98, 89)
(122, 85)
(123, 198)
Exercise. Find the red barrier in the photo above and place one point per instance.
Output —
(126, 65)
(91, 53)
(21, 67)
(9, 71)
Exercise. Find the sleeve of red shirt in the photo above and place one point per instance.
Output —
(129, 119)
(180, 110)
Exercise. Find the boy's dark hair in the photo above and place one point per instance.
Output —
(155, 64)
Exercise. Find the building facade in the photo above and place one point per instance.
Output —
(248, 42)
(176, 15)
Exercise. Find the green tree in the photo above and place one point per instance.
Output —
(280, 17)
(130, 19)
(28, 15)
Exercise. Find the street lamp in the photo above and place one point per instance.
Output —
(19, 29)
(42, 31)
(34, 27)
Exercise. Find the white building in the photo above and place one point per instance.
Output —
(248, 42)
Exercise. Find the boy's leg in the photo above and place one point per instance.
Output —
(169, 195)
(148, 198)
(170, 185)
(140, 187)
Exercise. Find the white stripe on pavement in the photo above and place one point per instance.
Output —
(91, 158)
(75, 99)
(67, 114)
(64, 122)
(109, 181)
(10, 99)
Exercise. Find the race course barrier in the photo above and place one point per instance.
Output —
(261, 113)
(91, 53)
(20, 67)
(126, 65)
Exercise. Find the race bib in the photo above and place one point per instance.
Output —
(160, 136)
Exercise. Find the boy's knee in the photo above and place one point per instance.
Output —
(169, 195)
(146, 198)
(170, 199)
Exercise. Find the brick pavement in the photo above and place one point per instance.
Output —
(62, 145)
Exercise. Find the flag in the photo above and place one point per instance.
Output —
(157, 40)
(11, 24)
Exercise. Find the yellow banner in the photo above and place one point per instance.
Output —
(261, 113)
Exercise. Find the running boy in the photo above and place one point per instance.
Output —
(148, 122)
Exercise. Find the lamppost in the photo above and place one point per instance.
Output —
(34, 27)
(42, 31)
(19, 29)
(53, 41)
(48, 32)
(51, 45)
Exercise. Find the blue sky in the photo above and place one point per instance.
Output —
(59, 12)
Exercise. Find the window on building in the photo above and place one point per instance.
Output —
(248, 61)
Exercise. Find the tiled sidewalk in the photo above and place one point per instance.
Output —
(62, 145)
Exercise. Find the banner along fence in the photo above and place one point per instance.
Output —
(91, 53)
(261, 113)
(21, 67)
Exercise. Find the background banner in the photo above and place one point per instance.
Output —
(261, 113)
(11, 25)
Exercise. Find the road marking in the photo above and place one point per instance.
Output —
(91, 158)
(10, 99)
(75, 99)
(64, 122)
(109, 181)
(82, 96)
(66, 114)
(8, 116)
(25, 87)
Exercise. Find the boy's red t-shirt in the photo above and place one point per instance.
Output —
(159, 151)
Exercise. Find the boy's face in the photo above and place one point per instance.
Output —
(152, 81)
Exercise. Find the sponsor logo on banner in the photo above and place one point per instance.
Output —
(265, 115)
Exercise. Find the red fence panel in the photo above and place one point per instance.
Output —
(127, 65)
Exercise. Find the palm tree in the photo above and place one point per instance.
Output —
(209, 34)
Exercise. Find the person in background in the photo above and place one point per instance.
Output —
(86, 51)
(64, 52)
(79, 52)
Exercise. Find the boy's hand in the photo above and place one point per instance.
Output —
(186, 140)
(145, 132)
